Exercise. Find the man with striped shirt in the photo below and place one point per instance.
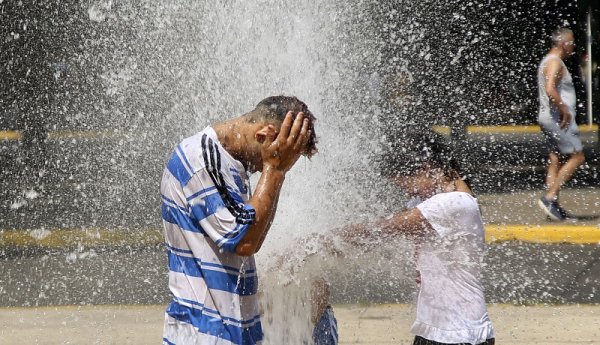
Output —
(213, 224)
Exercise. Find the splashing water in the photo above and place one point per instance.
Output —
(321, 52)
(156, 72)
(217, 60)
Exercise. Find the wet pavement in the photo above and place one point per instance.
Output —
(80, 270)
(514, 272)
(108, 180)
(369, 324)
(87, 237)
(521, 206)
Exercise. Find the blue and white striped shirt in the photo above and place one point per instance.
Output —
(205, 215)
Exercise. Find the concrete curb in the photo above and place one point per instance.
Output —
(97, 237)
(65, 135)
(545, 234)
(507, 129)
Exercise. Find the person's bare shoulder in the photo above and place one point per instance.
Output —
(462, 186)
(553, 68)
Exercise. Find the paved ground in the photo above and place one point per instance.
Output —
(54, 255)
(530, 260)
(520, 273)
(520, 206)
(383, 324)
(508, 216)
(85, 179)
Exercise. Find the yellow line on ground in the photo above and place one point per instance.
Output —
(95, 237)
(11, 135)
(65, 238)
(83, 134)
(521, 129)
(503, 129)
(18, 135)
(444, 130)
(556, 233)
(508, 129)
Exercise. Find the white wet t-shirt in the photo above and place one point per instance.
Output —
(451, 304)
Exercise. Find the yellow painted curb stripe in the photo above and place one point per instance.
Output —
(95, 237)
(11, 135)
(508, 129)
(444, 130)
(559, 233)
(18, 135)
(83, 134)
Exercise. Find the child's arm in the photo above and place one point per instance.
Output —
(406, 222)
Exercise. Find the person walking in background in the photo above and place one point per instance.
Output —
(213, 225)
(557, 119)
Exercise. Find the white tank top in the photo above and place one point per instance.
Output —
(566, 90)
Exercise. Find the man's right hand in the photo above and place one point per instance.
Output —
(281, 151)
(565, 118)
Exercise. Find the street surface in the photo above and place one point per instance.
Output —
(78, 268)
(374, 324)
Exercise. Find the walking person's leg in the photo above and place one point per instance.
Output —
(565, 143)
(549, 202)
(552, 174)
(565, 172)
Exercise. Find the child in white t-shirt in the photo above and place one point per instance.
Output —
(448, 231)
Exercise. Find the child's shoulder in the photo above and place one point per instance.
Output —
(457, 201)
(455, 196)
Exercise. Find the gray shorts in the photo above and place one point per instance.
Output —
(561, 141)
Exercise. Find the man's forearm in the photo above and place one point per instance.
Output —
(264, 202)
(269, 222)
(555, 98)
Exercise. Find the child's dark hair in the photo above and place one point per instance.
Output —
(405, 153)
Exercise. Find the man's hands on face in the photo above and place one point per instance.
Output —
(281, 151)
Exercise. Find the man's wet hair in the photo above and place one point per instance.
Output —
(406, 153)
(274, 109)
(558, 35)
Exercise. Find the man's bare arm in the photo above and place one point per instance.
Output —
(279, 155)
(553, 72)
(271, 218)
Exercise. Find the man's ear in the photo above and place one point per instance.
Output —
(265, 131)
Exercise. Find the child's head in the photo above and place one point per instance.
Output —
(421, 163)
